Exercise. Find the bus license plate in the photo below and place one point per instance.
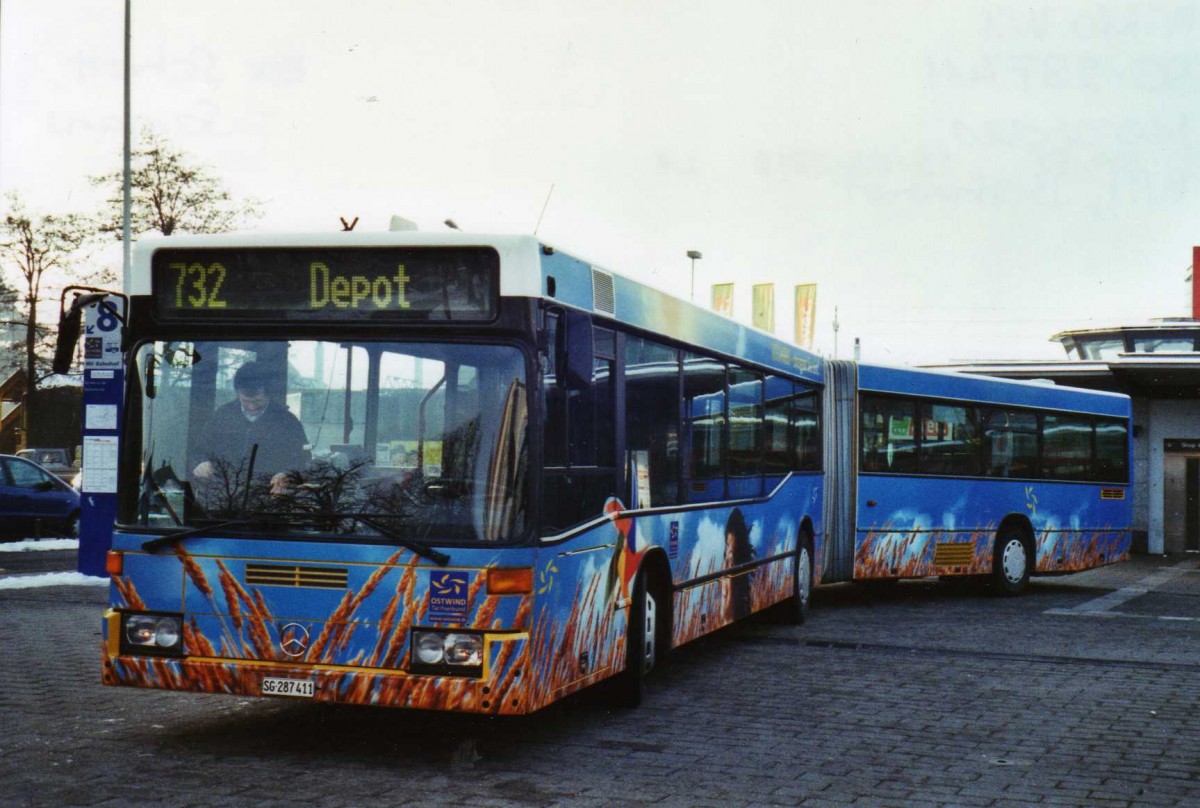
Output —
(301, 688)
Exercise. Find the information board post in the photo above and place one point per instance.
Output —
(103, 388)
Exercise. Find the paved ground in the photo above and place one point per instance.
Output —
(1085, 691)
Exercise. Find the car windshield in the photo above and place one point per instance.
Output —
(415, 440)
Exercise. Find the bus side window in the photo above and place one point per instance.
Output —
(949, 440)
(888, 437)
(704, 403)
(806, 433)
(745, 393)
(779, 423)
(594, 417)
(1066, 447)
(1112, 452)
(579, 473)
(554, 399)
(1010, 444)
(652, 415)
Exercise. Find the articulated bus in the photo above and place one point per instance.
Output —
(516, 474)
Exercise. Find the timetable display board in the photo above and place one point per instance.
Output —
(326, 283)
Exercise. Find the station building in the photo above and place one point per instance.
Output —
(1157, 364)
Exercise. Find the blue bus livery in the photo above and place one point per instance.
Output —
(513, 474)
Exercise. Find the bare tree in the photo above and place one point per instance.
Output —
(12, 330)
(30, 247)
(170, 192)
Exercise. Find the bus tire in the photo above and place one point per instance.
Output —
(1011, 562)
(802, 578)
(641, 646)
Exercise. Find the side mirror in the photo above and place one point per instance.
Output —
(69, 325)
(573, 350)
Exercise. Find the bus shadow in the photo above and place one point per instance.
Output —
(934, 590)
(399, 739)
(385, 737)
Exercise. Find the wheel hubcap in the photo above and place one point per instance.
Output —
(1013, 561)
(803, 576)
(650, 629)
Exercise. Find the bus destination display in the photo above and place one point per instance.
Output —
(334, 283)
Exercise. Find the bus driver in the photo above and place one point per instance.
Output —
(253, 419)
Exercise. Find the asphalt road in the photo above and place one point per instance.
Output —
(1084, 691)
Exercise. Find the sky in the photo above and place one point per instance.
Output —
(960, 179)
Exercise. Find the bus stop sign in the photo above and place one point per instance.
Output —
(103, 387)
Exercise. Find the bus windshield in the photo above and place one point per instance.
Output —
(355, 439)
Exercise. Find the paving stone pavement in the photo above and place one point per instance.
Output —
(1085, 691)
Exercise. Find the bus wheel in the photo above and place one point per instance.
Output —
(802, 577)
(641, 646)
(1010, 563)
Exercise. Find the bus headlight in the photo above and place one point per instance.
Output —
(430, 648)
(464, 649)
(457, 653)
(153, 634)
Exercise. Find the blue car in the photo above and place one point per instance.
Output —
(34, 502)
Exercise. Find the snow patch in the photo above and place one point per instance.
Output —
(51, 579)
(62, 380)
(27, 545)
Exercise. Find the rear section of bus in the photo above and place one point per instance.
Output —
(933, 473)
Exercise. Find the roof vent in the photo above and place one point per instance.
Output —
(399, 223)
(603, 296)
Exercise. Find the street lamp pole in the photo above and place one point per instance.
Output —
(694, 254)
(126, 182)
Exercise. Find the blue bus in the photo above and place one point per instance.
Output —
(947, 474)
(475, 473)
(451, 472)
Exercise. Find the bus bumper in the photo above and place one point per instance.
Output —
(501, 690)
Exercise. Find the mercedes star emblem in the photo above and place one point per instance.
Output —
(293, 639)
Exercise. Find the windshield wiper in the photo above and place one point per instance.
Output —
(154, 545)
(420, 548)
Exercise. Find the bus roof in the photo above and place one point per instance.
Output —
(531, 268)
(987, 389)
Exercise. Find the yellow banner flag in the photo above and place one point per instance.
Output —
(722, 298)
(806, 314)
(764, 307)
